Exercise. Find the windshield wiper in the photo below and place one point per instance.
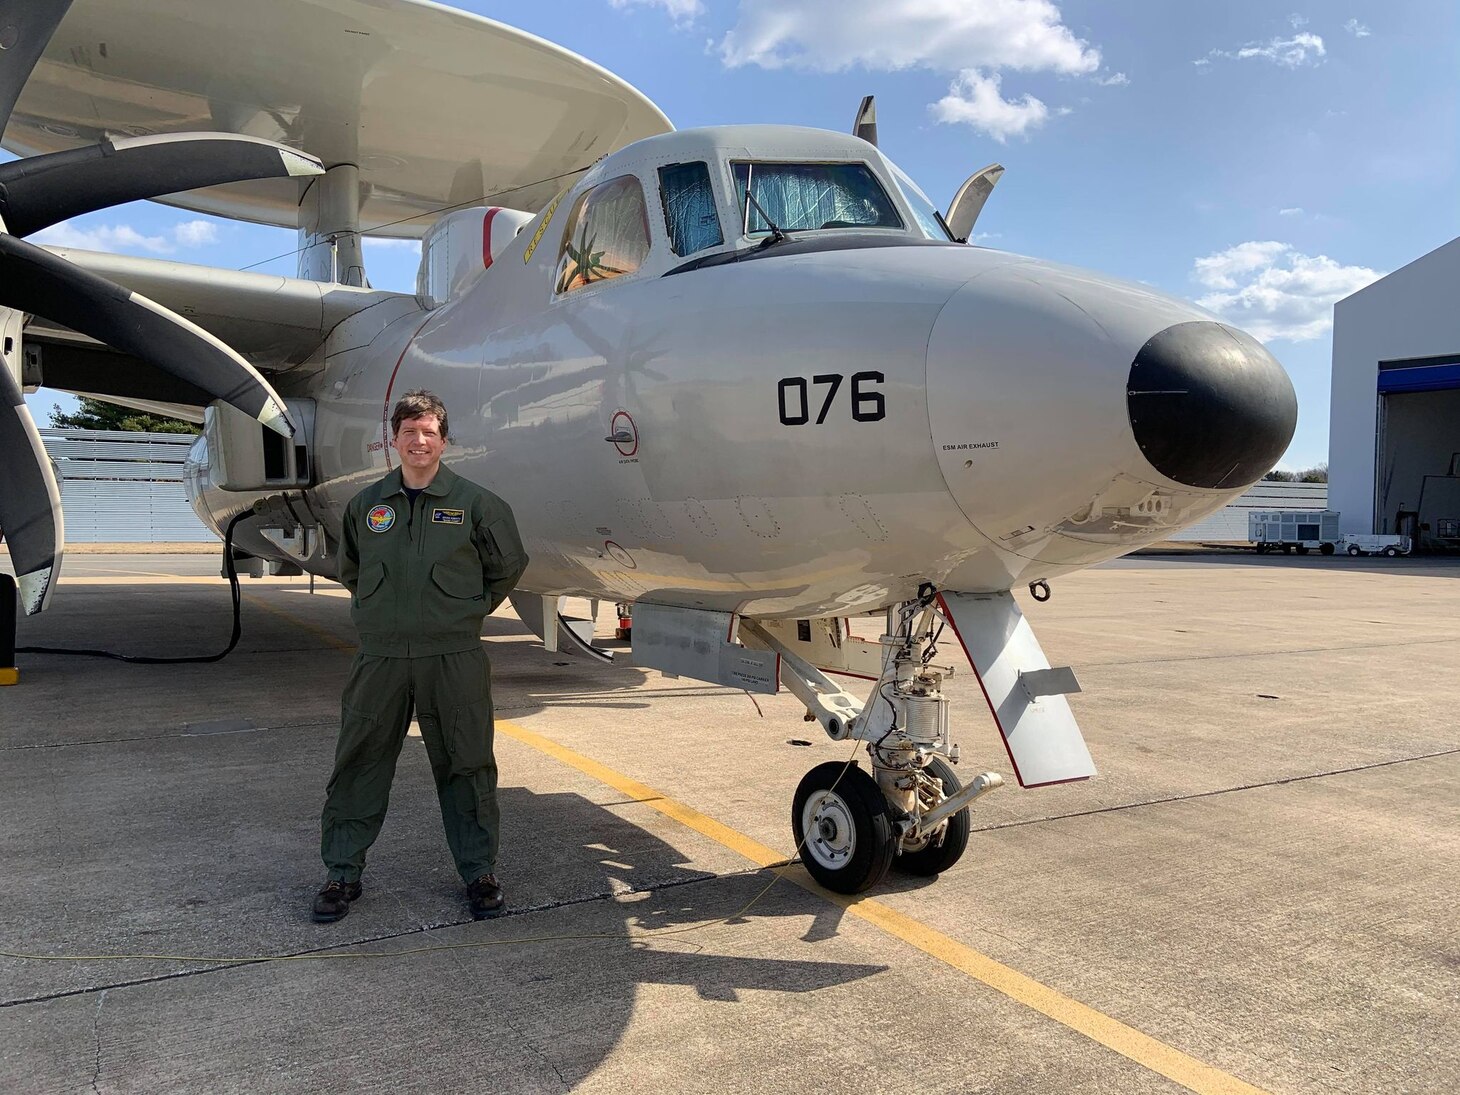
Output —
(778, 235)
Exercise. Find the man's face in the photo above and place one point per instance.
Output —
(419, 443)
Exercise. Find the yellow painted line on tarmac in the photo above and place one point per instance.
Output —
(1096, 1025)
(313, 628)
(738, 842)
(1111, 1033)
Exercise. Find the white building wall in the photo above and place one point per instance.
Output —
(123, 487)
(1230, 522)
(1411, 313)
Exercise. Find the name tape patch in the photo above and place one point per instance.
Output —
(448, 516)
(380, 518)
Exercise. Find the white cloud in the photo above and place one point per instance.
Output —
(974, 99)
(944, 35)
(1298, 21)
(1118, 79)
(1274, 291)
(976, 39)
(386, 244)
(196, 233)
(681, 11)
(1300, 49)
(123, 237)
(1357, 29)
(1291, 211)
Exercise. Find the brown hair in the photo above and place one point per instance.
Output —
(414, 405)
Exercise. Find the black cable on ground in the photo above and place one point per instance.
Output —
(230, 569)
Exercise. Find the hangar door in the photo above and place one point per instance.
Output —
(120, 487)
(1417, 484)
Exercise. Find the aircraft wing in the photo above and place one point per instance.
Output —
(275, 323)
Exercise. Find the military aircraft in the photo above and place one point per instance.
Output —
(748, 380)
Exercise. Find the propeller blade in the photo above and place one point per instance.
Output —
(866, 124)
(967, 204)
(25, 28)
(44, 190)
(30, 501)
(34, 280)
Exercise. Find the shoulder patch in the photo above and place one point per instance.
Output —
(380, 518)
(441, 516)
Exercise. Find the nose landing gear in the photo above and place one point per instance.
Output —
(911, 812)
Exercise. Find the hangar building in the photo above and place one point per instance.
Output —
(1394, 419)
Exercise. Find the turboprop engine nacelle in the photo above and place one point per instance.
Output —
(460, 246)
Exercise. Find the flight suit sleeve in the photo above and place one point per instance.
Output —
(347, 559)
(500, 547)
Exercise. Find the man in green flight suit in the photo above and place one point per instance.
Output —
(425, 555)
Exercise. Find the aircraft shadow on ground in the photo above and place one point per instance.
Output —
(573, 868)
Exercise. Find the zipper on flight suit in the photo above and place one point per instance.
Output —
(419, 540)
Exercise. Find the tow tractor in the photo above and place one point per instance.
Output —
(1359, 544)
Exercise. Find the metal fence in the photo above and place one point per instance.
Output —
(119, 487)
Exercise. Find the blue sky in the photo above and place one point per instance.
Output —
(1263, 161)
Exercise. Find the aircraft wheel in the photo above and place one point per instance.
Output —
(1326, 549)
(1391, 551)
(1353, 549)
(843, 827)
(931, 859)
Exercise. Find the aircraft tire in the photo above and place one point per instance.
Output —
(851, 844)
(935, 859)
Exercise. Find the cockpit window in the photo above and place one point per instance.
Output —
(607, 235)
(923, 209)
(690, 215)
(812, 195)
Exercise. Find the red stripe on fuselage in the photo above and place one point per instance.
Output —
(487, 236)
(389, 387)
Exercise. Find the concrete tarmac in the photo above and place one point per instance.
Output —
(1257, 892)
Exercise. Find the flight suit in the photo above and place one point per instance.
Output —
(422, 576)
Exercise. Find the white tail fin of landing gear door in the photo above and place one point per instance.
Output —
(1044, 743)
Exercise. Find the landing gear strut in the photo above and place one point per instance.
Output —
(912, 810)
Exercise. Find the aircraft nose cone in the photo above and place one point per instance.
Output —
(1209, 406)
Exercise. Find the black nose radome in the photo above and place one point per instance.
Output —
(1209, 406)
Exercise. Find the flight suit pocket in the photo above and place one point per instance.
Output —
(458, 582)
(505, 541)
(371, 577)
(468, 740)
(360, 742)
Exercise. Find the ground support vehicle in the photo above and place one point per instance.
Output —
(1358, 544)
(1289, 530)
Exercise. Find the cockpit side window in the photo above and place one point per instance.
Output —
(924, 210)
(690, 216)
(812, 195)
(607, 235)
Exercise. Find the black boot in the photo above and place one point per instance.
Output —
(485, 895)
(333, 902)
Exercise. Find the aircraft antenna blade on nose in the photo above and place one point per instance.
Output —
(865, 125)
(36, 281)
(30, 500)
(43, 190)
(968, 203)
